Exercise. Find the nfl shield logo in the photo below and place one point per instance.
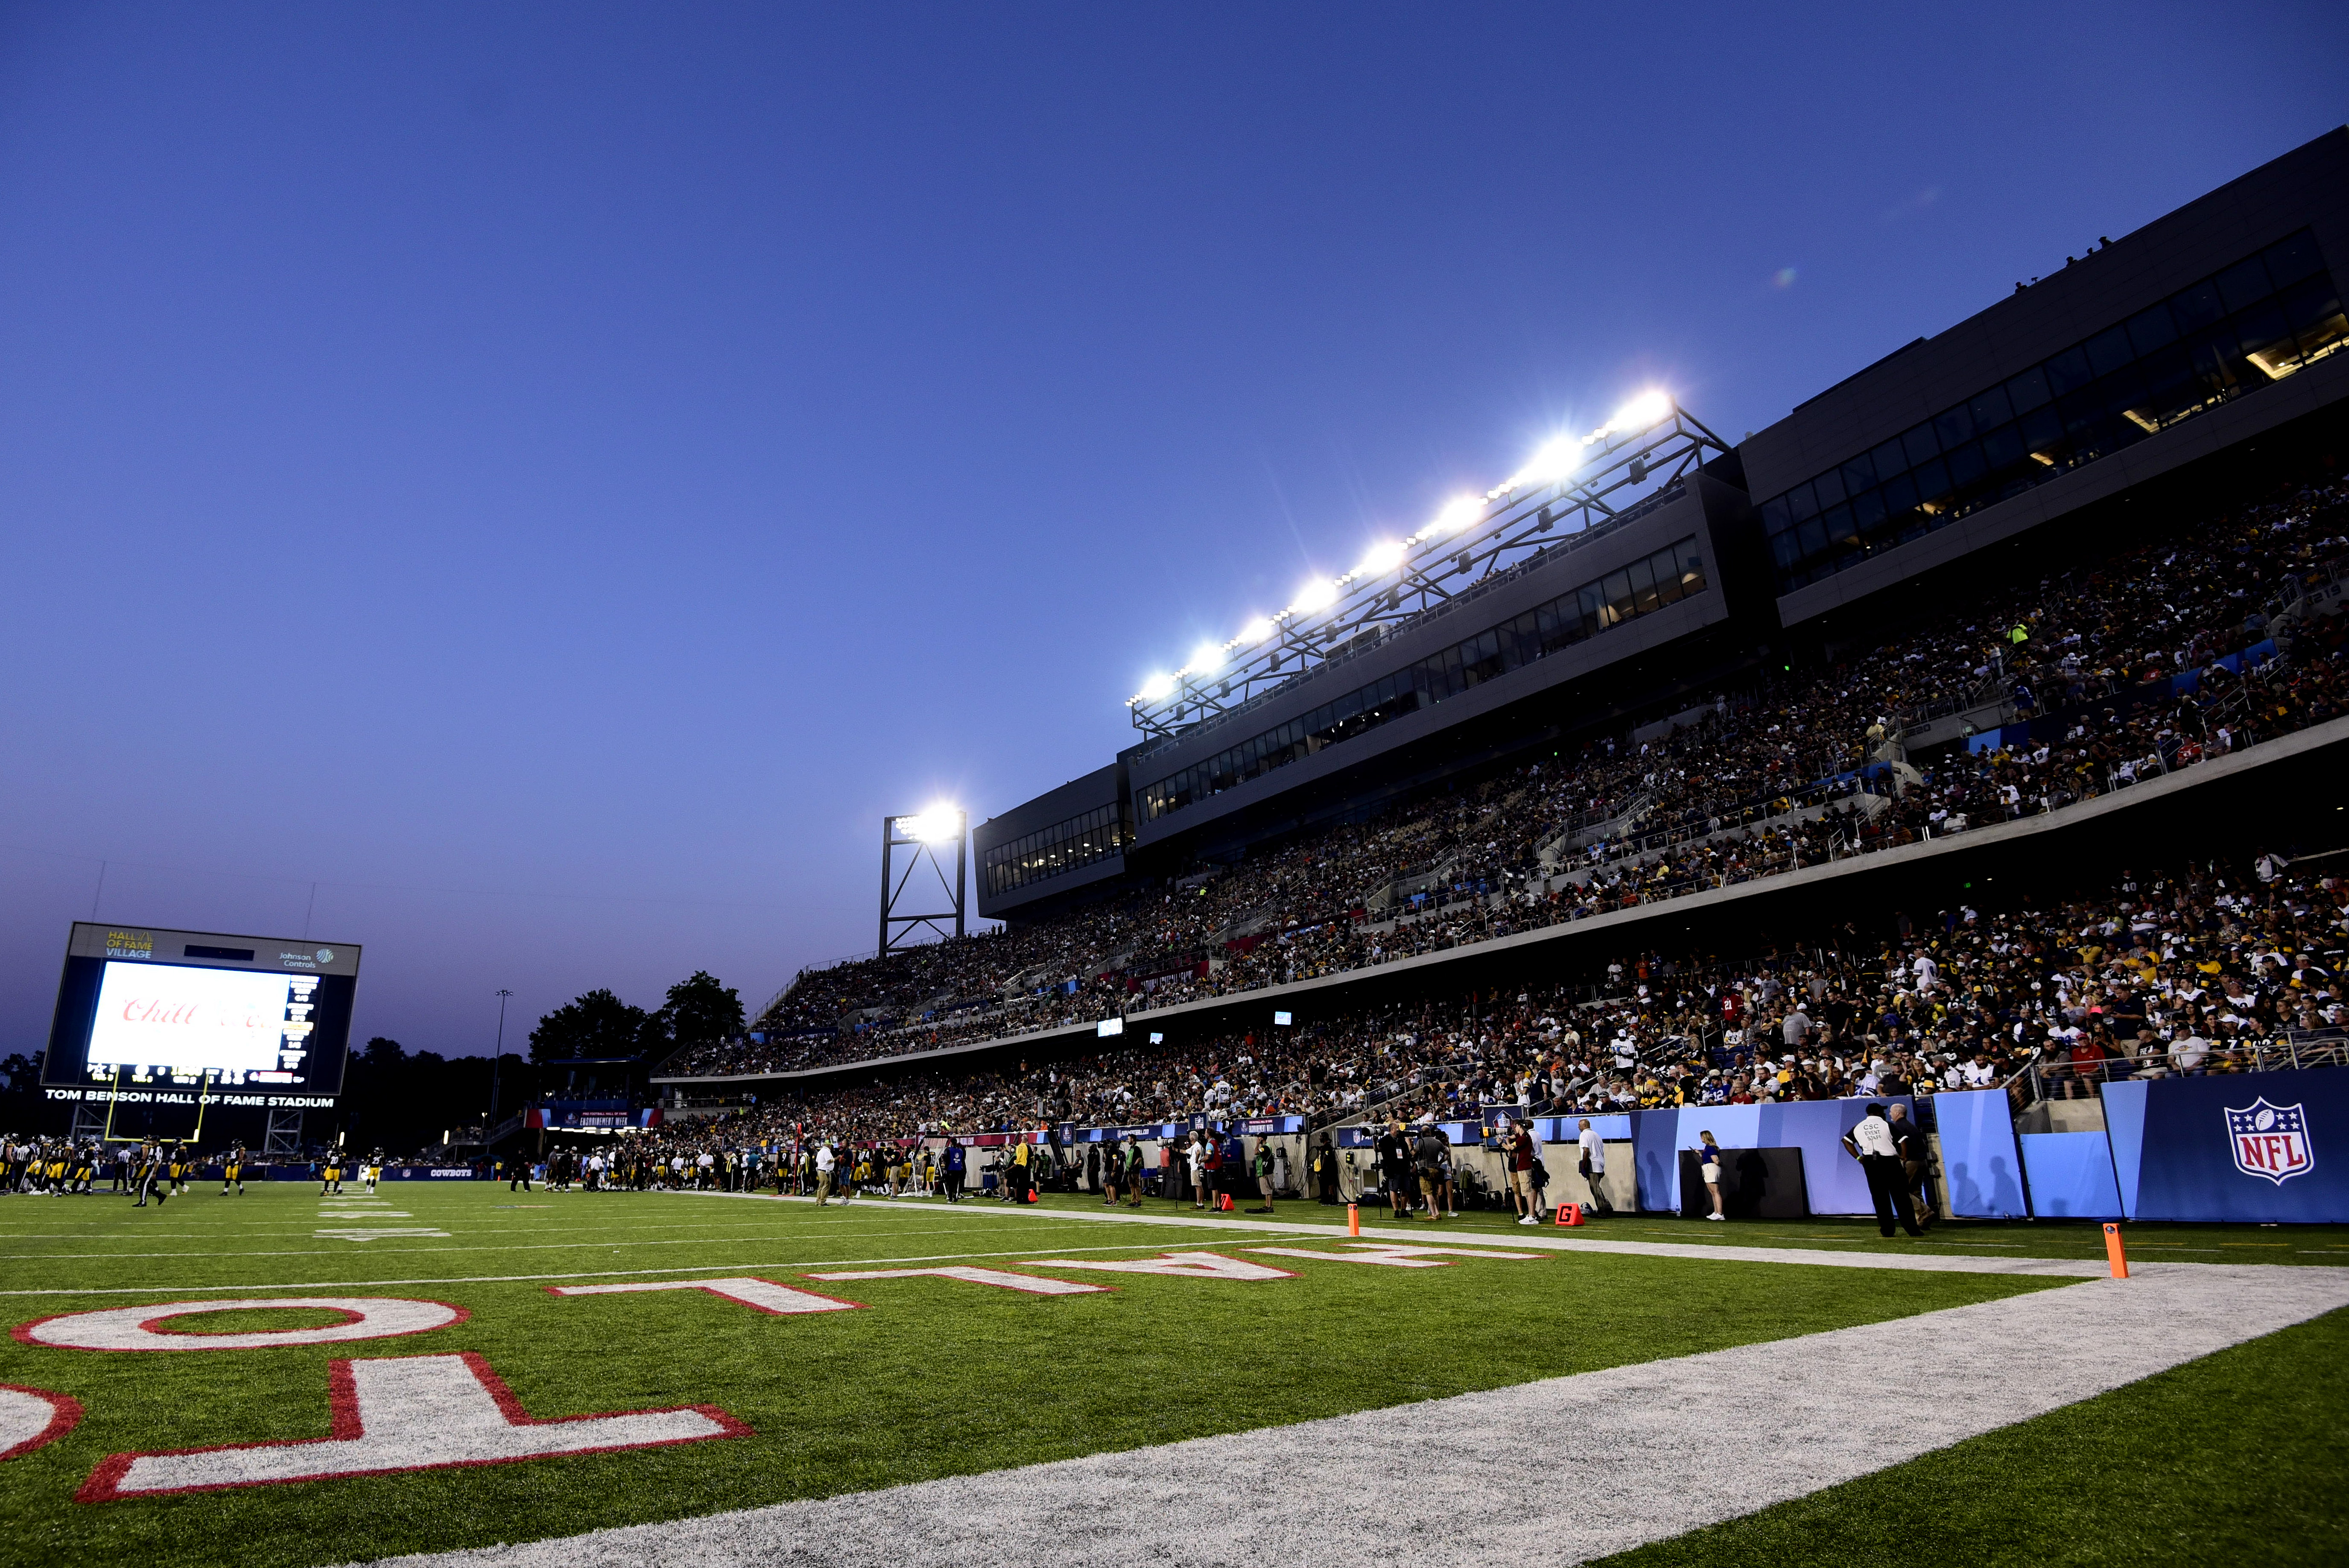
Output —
(2269, 1140)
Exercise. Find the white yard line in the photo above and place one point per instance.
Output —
(1560, 1470)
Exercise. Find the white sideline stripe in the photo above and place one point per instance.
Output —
(1545, 1239)
(1745, 1429)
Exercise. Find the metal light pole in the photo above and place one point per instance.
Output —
(927, 834)
(498, 1057)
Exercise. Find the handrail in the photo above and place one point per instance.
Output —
(2292, 1049)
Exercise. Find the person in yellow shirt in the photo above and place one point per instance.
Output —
(1022, 1170)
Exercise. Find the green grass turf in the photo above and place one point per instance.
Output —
(2235, 1459)
(938, 1377)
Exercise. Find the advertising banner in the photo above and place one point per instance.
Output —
(559, 1116)
(2260, 1147)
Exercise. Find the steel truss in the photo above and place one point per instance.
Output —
(282, 1137)
(1624, 473)
(899, 930)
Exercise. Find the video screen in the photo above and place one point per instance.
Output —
(144, 1008)
(169, 1016)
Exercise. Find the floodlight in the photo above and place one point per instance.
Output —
(1318, 594)
(1258, 630)
(938, 825)
(1157, 686)
(1651, 408)
(1206, 659)
(1382, 558)
(1556, 460)
(1461, 513)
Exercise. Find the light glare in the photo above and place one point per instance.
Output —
(1158, 686)
(1206, 659)
(1382, 558)
(1318, 594)
(1557, 458)
(1648, 408)
(938, 825)
(1461, 513)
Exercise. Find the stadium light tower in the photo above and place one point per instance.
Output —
(1575, 489)
(926, 834)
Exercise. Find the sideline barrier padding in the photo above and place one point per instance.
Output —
(2071, 1176)
(1755, 1184)
(1833, 1179)
(1980, 1159)
(2125, 1126)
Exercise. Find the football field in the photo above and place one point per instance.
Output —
(759, 1380)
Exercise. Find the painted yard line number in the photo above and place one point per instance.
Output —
(391, 1414)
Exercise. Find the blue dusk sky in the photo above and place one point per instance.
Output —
(525, 489)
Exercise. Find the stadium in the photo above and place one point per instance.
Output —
(1772, 1001)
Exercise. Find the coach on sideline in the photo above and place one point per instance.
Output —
(1871, 1143)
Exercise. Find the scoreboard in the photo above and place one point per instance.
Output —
(143, 1007)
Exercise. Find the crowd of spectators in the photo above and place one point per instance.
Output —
(2204, 968)
(1795, 771)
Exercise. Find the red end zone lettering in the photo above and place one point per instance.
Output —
(1002, 1279)
(141, 1327)
(405, 1413)
(1399, 1256)
(762, 1295)
(34, 1418)
(1184, 1266)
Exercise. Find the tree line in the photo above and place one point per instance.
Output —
(402, 1101)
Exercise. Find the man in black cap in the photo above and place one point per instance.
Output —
(1872, 1143)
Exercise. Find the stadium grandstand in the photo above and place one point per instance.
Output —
(1919, 823)
(2007, 607)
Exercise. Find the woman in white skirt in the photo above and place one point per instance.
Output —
(1708, 1159)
